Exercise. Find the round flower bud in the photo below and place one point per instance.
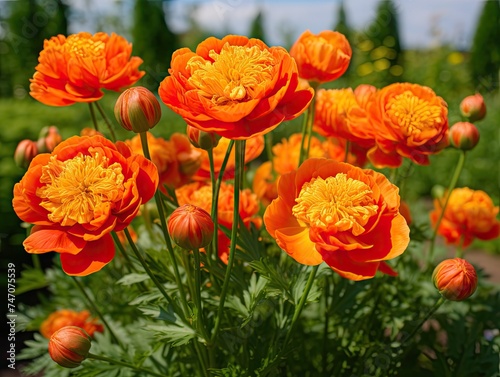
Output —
(190, 227)
(456, 279)
(201, 139)
(69, 346)
(463, 135)
(473, 107)
(26, 151)
(137, 109)
(48, 139)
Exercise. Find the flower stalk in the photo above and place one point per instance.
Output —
(96, 310)
(166, 236)
(456, 174)
(238, 179)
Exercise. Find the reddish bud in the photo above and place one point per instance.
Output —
(191, 227)
(463, 135)
(137, 109)
(48, 139)
(456, 279)
(473, 107)
(25, 152)
(201, 139)
(69, 346)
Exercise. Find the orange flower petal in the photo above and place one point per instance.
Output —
(93, 257)
(341, 263)
(43, 239)
(296, 243)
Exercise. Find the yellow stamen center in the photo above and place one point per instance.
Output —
(81, 189)
(84, 47)
(237, 74)
(413, 114)
(335, 204)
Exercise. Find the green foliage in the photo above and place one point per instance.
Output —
(379, 48)
(342, 25)
(153, 40)
(29, 23)
(257, 27)
(485, 51)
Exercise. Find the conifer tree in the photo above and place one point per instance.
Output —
(257, 27)
(342, 25)
(382, 46)
(153, 41)
(485, 50)
(28, 24)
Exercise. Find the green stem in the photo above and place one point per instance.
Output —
(141, 259)
(96, 310)
(300, 306)
(269, 149)
(347, 148)
(307, 127)
(431, 312)
(121, 249)
(166, 236)
(451, 187)
(215, 198)
(107, 121)
(123, 364)
(92, 115)
(238, 179)
(197, 293)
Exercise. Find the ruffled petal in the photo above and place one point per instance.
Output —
(93, 257)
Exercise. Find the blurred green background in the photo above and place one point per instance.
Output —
(379, 58)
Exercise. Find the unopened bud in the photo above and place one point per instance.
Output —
(69, 346)
(463, 135)
(48, 139)
(25, 152)
(456, 279)
(201, 139)
(191, 227)
(473, 107)
(137, 109)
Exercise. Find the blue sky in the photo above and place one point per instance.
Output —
(423, 23)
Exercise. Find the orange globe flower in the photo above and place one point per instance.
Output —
(236, 87)
(253, 149)
(176, 159)
(286, 159)
(323, 57)
(340, 214)
(200, 195)
(339, 114)
(469, 214)
(65, 317)
(75, 68)
(410, 121)
(75, 196)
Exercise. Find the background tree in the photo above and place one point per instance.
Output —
(153, 40)
(380, 45)
(257, 27)
(342, 25)
(27, 25)
(485, 50)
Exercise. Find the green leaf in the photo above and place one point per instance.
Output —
(177, 335)
(30, 280)
(133, 278)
